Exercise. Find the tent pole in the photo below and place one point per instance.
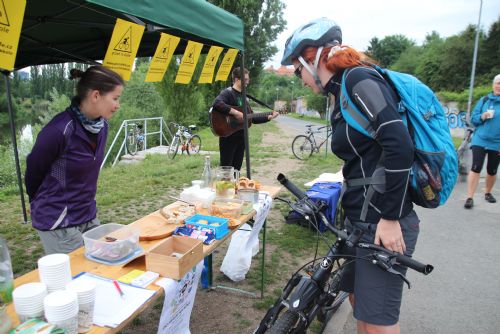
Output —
(245, 112)
(14, 144)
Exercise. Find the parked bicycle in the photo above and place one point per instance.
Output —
(303, 146)
(135, 138)
(463, 168)
(184, 139)
(316, 293)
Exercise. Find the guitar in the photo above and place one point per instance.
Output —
(225, 125)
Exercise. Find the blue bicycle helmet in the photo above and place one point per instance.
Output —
(318, 32)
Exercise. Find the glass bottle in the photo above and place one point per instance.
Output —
(206, 176)
(6, 277)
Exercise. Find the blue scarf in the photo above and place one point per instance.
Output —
(92, 126)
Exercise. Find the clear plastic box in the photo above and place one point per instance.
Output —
(111, 242)
(226, 207)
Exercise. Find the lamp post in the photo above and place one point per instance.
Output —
(291, 101)
(474, 58)
(277, 89)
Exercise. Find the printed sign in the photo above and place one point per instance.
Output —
(11, 21)
(123, 47)
(162, 57)
(226, 65)
(207, 73)
(188, 62)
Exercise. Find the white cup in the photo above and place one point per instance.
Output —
(491, 113)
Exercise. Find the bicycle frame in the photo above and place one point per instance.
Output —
(313, 138)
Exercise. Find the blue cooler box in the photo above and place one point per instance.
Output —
(328, 192)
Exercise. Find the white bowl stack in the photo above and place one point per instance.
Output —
(61, 309)
(85, 291)
(55, 271)
(28, 300)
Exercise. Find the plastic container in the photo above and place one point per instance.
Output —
(111, 242)
(216, 224)
(226, 207)
(249, 195)
(6, 276)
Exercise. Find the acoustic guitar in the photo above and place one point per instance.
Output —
(225, 125)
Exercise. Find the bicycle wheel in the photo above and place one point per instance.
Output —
(302, 147)
(173, 147)
(285, 323)
(194, 145)
(131, 143)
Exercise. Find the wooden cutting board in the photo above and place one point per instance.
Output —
(154, 227)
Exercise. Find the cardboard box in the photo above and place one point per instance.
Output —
(174, 256)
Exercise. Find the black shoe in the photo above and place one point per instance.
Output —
(489, 197)
(469, 203)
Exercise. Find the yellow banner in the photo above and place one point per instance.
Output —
(188, 62)
(207, 73)
(226, 65)
(162, 57)
(123, 47)
(11, 21)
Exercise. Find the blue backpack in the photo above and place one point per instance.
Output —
(435, 167)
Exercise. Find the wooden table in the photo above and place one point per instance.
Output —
(79, 263)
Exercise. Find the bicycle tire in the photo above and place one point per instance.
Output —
(131, 143)
(285, 323)
(173, 148)
(302, 147)
(194, 145)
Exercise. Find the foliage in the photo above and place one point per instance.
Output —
(387, 50)
(57, 103)
(263, 21)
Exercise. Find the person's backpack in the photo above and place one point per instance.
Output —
(435, 167)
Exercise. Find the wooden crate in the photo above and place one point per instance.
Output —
(160, 258)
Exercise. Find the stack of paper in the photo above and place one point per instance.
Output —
(111, 309)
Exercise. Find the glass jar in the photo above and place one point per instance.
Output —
(225, 181)
(6, 277)
(5, 322)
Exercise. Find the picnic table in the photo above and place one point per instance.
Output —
(80, 263)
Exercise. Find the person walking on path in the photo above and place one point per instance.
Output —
(485, 142)
(64, 164)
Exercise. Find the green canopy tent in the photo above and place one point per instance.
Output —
(58, 31)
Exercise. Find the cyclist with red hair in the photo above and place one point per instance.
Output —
(386, 217)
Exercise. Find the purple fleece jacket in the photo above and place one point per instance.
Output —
(61, 173)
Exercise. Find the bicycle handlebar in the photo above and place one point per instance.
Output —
(314, 208)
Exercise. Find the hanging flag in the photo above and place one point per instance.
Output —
(123, 47)
(207, 73)
(11, 21)
(188, 62)
(226, 65)
(162, 57)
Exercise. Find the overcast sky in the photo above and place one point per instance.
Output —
(361, 20)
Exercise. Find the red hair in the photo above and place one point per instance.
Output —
(347, 57)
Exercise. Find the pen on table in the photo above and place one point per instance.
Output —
(117, 286)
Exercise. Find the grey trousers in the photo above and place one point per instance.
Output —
(66, 240)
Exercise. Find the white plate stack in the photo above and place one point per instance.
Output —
(28, 300)
(61, 309)
(85, 291)
(54, 271)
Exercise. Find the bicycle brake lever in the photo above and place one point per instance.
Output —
(403, 277)
(386, 262)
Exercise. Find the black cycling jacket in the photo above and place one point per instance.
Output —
(361, 154)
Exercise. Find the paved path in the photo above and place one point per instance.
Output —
(462, 295)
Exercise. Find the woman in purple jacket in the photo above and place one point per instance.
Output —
(63, 167)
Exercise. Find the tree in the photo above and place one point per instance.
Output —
(263, 20)
(388, 50)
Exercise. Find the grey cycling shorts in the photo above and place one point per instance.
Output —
(65, 240)
(377, 293)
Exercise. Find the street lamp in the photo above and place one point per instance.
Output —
(291, 102)
(474, 58)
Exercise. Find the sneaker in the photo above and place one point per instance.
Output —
(489, 197)
(469, 203)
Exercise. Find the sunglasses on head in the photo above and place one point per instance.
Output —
(298, 71)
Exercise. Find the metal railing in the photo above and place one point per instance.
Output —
(124, 129)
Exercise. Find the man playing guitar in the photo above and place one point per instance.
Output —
(232, 146)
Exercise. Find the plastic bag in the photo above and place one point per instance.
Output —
(238, 258)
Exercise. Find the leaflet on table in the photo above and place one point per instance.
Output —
(111, 309)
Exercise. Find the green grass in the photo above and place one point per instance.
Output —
(307, 118)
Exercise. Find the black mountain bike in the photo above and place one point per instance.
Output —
(303, 146)
(317, 294)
